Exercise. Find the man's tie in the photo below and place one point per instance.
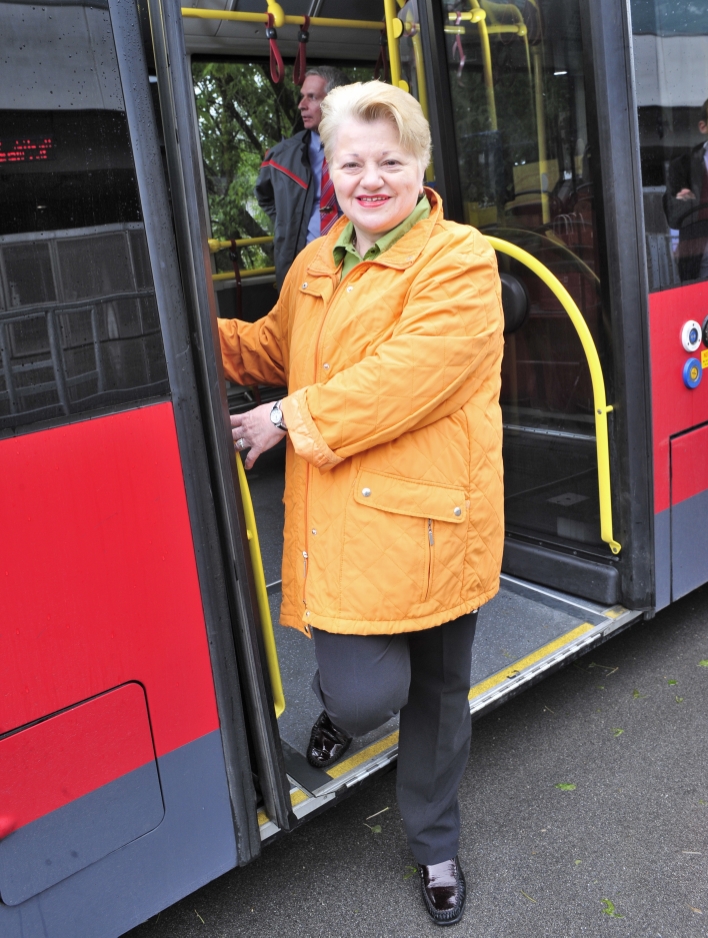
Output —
(329, 211)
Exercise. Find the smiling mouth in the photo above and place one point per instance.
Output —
(372, 200)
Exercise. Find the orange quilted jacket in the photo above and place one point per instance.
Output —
(393, 490)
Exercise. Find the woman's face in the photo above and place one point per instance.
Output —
(377, 182)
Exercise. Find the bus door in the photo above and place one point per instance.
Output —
(671, 82)
(125, 778)
(535, 199)
(523, 164)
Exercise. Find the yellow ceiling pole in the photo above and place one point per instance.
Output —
(601, 407)
(394, 29)
(537, 57)
(478, 15)
(236, 16)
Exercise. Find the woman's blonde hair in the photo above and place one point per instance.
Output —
(371, 101)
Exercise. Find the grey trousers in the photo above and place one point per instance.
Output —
(364, 680)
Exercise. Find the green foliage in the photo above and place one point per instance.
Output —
(566, 786)
(241, 114)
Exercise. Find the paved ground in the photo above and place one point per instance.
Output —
(620, 850)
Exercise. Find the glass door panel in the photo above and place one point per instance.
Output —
(521, 124)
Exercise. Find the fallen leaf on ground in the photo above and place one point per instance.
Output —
(616, 731)
(410, 871)
(527, 896)
(609, 909)
(678, 699)
(694, 909)
(566, 786)
(672, 681)
(703, 664)
(636, 694)
(374, 828)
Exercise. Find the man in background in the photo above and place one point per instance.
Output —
(293, 185)
(686, 206)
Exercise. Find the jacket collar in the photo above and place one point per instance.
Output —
(400, 255)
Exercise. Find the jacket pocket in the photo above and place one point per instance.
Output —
(412, 542)
(410, 497)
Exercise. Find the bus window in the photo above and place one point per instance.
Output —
(522, 130)
(241, 114)
(672, 97)
(79, 328)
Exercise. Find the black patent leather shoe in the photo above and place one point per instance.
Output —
(444, 891)
(327, 742)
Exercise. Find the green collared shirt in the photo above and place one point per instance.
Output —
(345, 251)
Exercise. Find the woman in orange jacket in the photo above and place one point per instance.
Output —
(388, 335)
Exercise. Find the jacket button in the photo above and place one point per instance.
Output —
(457, 512)
(314, 531)
(349, 289)
(326, 366)
(366, 492)
(304, 286)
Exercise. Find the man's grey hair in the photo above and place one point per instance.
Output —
(333, 76)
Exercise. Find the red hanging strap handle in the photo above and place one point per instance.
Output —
(277, 69)
(381, 67)
(300, 66)
(458, 53)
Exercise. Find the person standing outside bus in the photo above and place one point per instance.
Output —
(388, 335)
(686, 206)
(293, 186)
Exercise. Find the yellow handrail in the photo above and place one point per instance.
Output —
(394, 28)
(254, 547)
(249, 272)
(216, 245)
(280, 19)
(602, 408)
(479, 16)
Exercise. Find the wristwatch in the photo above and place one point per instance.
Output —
(276, 416)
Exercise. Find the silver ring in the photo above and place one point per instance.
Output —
(241, 443)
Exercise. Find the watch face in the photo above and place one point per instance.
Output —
(276, 414)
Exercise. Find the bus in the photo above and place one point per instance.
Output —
(153, 716)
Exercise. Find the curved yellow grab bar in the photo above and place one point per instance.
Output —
(557, 245)
(238, 17)
(261, 591)
(598, 382)
(216, 245)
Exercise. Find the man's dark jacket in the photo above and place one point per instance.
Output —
(286, 191)
(689, 216)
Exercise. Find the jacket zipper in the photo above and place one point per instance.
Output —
(309, 467)
(431, 544)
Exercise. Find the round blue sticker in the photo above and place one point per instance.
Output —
(692, 373)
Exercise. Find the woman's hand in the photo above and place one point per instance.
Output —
(255, 432)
